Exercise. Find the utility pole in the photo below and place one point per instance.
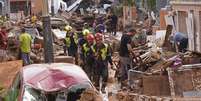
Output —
(8, 8)
(52, 8)
(27, 7)
(47, 34)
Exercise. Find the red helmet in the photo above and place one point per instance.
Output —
(90, 37)
(99, 36)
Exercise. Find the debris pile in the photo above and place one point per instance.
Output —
(90, 95)
(125, 96)
(170, 78)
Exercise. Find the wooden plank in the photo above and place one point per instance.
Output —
(171, 82)
(167, 35)
(163, 12)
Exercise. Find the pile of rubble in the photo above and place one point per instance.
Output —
(173, 76)
(160, 75)
(90, 95)
(125, 96)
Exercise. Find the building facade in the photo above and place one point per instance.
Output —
(188, 20)
(4, 7)
(20, 6)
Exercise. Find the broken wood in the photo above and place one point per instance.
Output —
(171, 82)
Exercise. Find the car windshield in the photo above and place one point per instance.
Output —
(31, 94)
(71, 94)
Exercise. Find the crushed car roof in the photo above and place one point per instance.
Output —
(53, 77)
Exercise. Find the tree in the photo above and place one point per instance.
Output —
(129, 2)
(151, 5)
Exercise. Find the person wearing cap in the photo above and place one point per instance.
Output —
(180, 41)
(89, 55)
(33, 18)
(67, 39)
(68, 28)
(73, 49)
(103, 57)
(124, 53)
(81, 41)
(85, 30)
(114, 22)
(71, 42)
(25, 46)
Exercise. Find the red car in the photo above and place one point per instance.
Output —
(49, 82)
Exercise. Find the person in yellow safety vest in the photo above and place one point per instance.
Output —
(68, 29)
(25, 46)
(71, 43)
(33, 18)
(85, 30)
(103, 56)
(89, 59)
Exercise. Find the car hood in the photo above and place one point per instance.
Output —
(53, 77)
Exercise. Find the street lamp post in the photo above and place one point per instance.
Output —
(52, 7)
(47, 34)
(8, 7)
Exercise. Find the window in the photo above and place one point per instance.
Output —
(17, 6)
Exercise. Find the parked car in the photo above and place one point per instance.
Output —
(49, 82)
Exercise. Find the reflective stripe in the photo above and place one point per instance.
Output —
(93, 49)
(86, 49)
(67, 39)
(104, 52)
(75, 37)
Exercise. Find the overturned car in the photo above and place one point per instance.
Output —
(49, 82)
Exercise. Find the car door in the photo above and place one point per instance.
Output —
(14, 91)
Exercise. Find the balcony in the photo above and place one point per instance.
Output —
(185, 2)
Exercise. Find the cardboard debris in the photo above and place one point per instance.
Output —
(8, 71)
(59, 34)
(91, 95)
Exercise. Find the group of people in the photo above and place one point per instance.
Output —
(108, 23)
(94, 54)
(25, 41)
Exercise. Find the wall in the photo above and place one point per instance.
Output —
(129, 15)
(37, 6)
(181, 21)
(193, 28)
(5, 7)
(163, 13)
